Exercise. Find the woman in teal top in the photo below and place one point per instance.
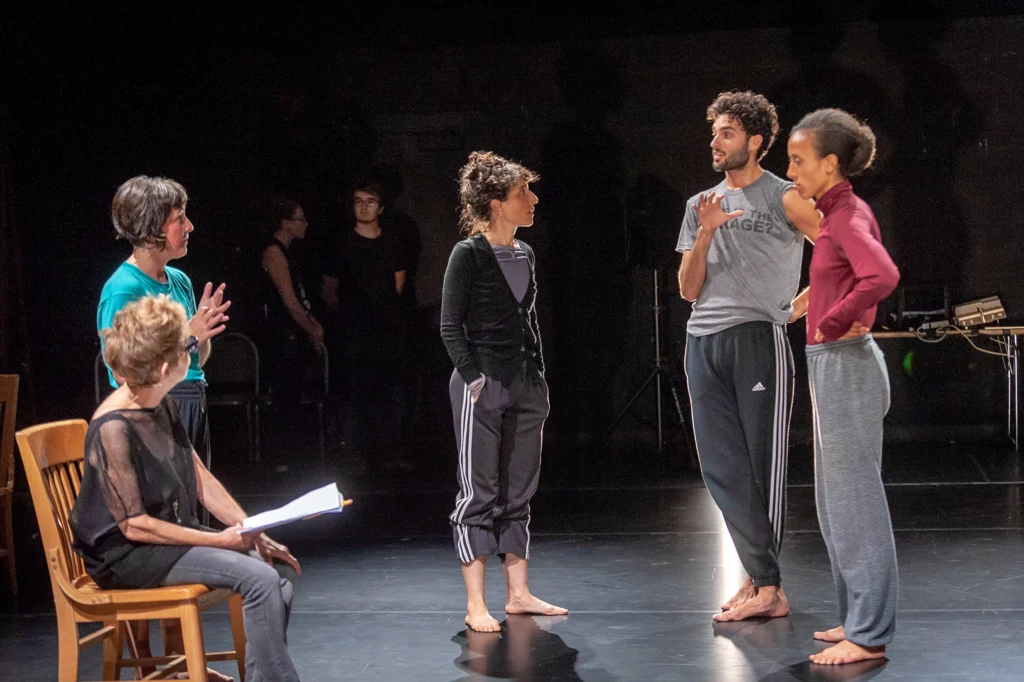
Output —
(150, 214)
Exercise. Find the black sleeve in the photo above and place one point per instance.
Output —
(458, 281)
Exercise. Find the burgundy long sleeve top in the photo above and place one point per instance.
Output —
(850, 271)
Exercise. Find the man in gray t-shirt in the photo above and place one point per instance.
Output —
(742, 244)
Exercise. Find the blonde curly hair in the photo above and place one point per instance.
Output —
(146, 333)
(486, 176)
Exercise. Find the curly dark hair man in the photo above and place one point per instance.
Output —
(742, 244)
(754, 113)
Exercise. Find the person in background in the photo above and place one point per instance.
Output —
(362, 284)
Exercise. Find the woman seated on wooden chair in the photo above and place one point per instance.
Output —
(135, 522)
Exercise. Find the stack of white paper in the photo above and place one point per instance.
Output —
(325, 500)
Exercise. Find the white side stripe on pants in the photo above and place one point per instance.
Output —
(780, 428)
(465, 476)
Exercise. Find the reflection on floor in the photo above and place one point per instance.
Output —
(641, 566)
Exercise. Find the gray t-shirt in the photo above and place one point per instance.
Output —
(754, 262)
(515, 265)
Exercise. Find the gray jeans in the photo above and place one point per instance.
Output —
(850, 395)
(266, 604)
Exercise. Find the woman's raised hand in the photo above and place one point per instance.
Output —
(210, 318)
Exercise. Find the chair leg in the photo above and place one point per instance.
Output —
(113, 646)
(238, 632)
(192, 637)
(137, 639)
(12, 571)
(67, 644)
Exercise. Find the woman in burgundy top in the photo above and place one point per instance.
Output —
(850, 273)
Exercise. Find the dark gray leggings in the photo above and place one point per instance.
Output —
(266, 604)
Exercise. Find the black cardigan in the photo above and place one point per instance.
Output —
(485, 329)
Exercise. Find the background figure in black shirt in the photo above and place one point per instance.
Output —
(498, 392)
(288, 323)
(362, 283)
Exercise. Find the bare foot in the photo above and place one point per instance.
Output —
(745, 593)
(528, 604)
(767, 602)
(480, 619)
(847, 652)
(834, 635)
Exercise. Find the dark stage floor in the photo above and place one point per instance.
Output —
(642, 568)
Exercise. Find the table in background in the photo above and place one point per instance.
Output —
(1012, 349)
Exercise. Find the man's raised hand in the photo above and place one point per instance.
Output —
(710, 213)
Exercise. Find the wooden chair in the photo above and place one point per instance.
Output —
(8, 419)
(53, 455)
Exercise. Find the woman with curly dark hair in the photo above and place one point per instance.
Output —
(498, 393)
(850, 273)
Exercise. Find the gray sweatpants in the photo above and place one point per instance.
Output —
(499, 438)
(850, 396)
(740, 382)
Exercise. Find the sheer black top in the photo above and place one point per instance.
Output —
(137, 461)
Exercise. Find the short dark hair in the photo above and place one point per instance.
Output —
(142, 205)
(486, 176)
(370, 187)
(754, 112)
(838, 132)
(280, 208)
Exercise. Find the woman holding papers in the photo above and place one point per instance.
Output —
(498, 393)
(135, 521)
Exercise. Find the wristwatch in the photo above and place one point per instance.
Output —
(192, 345)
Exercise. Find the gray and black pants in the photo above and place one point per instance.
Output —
(499, 440)
(850, 396)
(740, 382)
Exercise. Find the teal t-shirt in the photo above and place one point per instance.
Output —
(129, 283)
